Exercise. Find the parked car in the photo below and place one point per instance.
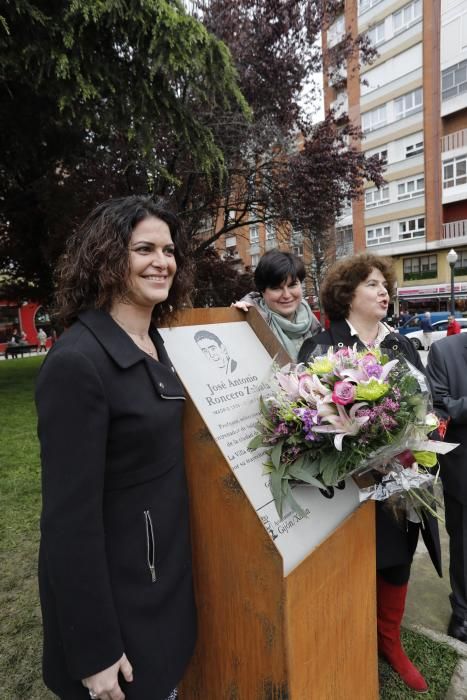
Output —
(439, 331)
(414, 322)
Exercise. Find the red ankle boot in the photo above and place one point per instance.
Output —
(391, 604)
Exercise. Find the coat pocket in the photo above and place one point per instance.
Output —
(150, 546)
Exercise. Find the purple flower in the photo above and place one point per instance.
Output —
(374, 371)
(368, 360)
(343, 393)
(281, 429)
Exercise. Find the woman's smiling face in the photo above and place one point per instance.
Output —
(152, 263)
(285, 298)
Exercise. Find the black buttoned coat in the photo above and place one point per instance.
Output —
(447, 372)
(115, 559)
(393, 542)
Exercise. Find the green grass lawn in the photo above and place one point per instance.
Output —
(20, 624)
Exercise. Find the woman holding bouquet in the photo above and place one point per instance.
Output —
(115, 562)
(355, 295)
(279, 300)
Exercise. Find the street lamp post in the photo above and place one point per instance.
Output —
(451, 257)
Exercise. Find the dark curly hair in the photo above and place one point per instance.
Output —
(275, 267)
(94, 269)
(339, 285)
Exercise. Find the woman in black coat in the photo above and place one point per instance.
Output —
(115, 561)
(355, 297)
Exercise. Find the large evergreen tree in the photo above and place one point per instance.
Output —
(102, 98)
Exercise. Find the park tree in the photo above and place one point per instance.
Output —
(209, 109)
(100, 98)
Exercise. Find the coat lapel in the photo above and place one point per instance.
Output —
(126, 354)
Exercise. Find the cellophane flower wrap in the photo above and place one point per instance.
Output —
(345, 413)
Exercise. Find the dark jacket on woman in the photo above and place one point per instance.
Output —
(115, 560)
(393, 543)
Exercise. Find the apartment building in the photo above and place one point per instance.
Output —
(411, 104)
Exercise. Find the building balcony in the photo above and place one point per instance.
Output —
(458, 139)
(455, 229)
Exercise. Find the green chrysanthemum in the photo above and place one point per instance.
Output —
(371, 391)
(425, 458)
(321, 366)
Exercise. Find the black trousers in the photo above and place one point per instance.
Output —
(399, 575)
(456, 525)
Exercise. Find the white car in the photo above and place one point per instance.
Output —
(439, 331)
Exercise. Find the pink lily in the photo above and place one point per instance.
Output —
(312, 389)
(360, 376)
(289, 383)
(343, 424)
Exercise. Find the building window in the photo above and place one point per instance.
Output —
(378, 235)
(297, 249)
(344, 241)
(455, 171)
(376, 34)
(231, 241)
(461, 264)
(270, 236)
(414, 149)
(420, 268)
(406, 16)
(254, 234)
(255, 260)
(270, 231)
(374, 119)
(376, 198)
(411, 228)
(409, 103)
(411, 188)
(365, 5)
(454, 80)
(336, 31)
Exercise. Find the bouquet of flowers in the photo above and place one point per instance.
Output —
(345, 413)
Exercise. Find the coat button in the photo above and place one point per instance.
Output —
(161, 386)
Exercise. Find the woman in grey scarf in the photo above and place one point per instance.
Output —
(279, 299)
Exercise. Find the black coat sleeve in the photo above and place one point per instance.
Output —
(73, 430)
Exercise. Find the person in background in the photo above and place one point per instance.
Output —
(115, 558)
(15, 337)
(279, 299)
(355, 295)
(42, 338)
(404, 317)
(447, 372)
(427, 329)
(454, 327)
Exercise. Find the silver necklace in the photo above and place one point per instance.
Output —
(139, 339)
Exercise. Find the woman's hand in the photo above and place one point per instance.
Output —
(104, 685)
(242, 305)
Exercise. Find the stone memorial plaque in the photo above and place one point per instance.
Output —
(224, 368)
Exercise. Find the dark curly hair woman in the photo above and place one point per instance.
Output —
(355, 295)
(115, 561)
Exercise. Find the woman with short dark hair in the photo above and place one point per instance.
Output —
(279, 299)
(115, 561)
(355, 294)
